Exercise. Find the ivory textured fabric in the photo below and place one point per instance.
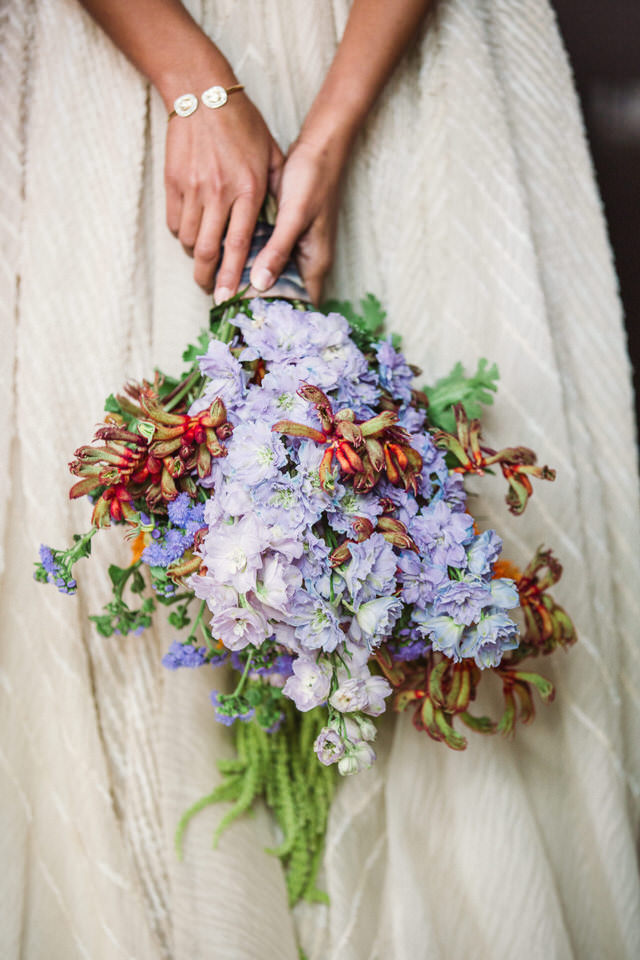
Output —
(471, 211)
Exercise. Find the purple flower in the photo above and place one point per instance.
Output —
(419, 579)
(442, 534)
(47, 559)
(328, 746)
(320, 628)
(275, 331)
(443, 632)
(364, 694)
(228, 709)
(376, 618)
(183, 655)
(256, 453)
(489, 639)
(225, 374)
(462, 599)
(239, 626)
(162, 553)
(453, 492)
(234, 552)
(395, 374)
(483, 553)
(504, 593)
(371, 570)
(412, 650)
(310, 683)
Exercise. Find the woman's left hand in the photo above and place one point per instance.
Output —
(308, 196)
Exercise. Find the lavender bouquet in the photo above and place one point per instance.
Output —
(299, 507)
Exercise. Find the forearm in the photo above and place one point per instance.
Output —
(377, 34)
(162, 40)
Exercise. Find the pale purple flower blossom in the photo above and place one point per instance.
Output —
(310, 683)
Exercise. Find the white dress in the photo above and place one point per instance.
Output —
(470, 210)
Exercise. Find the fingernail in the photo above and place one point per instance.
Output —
(221, 295)
(262, 279)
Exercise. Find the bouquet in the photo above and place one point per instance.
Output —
(299, 508)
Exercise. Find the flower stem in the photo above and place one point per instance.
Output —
(243, 679)
(184, 389)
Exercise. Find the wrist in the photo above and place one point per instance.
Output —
(330, 129)
(192, 70)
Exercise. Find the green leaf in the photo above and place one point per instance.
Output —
(137, 582)
(117, 575)
(457, 387)
(195, 350)
(111, 405)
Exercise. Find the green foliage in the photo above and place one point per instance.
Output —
(282, 769)
(471, 392)
(195, 350)
(118, 616)
(367, 326)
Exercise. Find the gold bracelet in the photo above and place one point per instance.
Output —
(214, 97)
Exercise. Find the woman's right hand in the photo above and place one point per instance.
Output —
(219, 164)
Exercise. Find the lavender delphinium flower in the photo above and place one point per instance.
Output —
(329, 746)
(419, 579)
(395, 373)
(237, 627)
(442, 534)
(309, 684)
(226, 378)
(462, 599)
(255, 453)
(489, 639)
(371, 570)
(483, 552)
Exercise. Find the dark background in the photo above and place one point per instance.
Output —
(603, 40)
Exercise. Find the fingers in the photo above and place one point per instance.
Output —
(314, 262)
(272, 260)
(237, 242)
(207, 248)
(276, 165)
(190, 218)
(174, 206)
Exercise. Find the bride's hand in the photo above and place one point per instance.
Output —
(308, 195)
(218, 166)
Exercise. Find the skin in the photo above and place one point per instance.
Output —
(219, 164)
